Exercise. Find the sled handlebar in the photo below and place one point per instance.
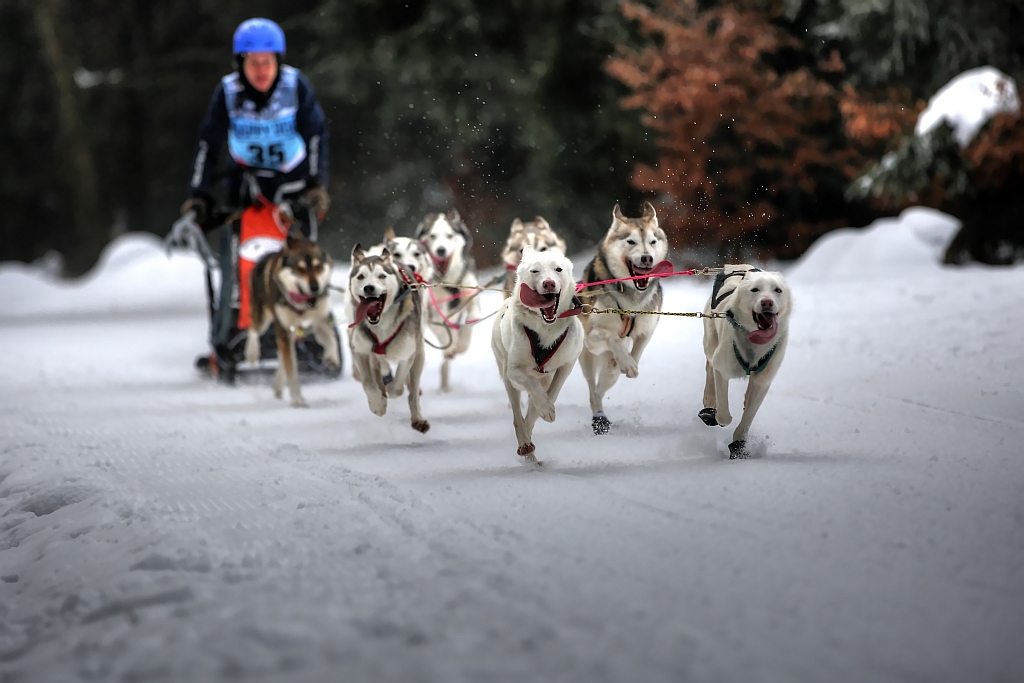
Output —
(187, 234)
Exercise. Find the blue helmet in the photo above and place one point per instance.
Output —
(259, 35)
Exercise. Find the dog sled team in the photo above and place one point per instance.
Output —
(272, 273)
(406, 286)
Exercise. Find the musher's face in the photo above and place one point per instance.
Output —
(260, 69)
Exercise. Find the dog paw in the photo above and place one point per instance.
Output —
(421, 426)
(738, 450)
(332, 361)
(299, 402)
(278, 393)
(378, 404)
(707, 416)
(723, 419)
(601, 424)
(546, 412)
(526, 449)
(630, 369)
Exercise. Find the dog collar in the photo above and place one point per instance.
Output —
(760, 365)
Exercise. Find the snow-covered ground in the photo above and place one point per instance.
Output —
(156, 526)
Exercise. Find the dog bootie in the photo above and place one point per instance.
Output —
(601, 424)
(738, 450)
(708, 416)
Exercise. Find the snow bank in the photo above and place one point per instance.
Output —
(968, 102)
(888, 248)
(133, 275)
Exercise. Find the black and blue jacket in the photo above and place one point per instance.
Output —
(279, 135)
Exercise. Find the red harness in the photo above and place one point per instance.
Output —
(542, 354)
(381, 347)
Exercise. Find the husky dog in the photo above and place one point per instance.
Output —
(537, 234)
(388, 323)
(536, 340)
(411, 256)
(290, 289)
(750, 341)
(407, 252)
(614, 344)
(448, 241)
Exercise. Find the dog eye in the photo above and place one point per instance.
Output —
(360, 277)
(381, 276)
(778, 291)
(543, 249)
(558, 270)
(630, 242)
(653, 242)
(755, 289)
(534, 271)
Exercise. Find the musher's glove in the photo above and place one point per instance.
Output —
(199, 207)
(318, 201)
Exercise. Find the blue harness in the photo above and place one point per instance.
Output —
(265, 139)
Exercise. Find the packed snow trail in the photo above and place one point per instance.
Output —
(157, 526)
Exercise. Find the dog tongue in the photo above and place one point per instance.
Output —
(365, 307)
(661, 268)
(298, 298)
(764, 336)
(531, 298)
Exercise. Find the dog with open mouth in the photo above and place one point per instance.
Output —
(750, 341)
(290, 290)
(448, 242)
(614, 344)
(538, 234)
(412, 257)
(536, 339)
(387, 326)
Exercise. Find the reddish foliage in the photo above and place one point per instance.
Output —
(739, 139)
(997, 153)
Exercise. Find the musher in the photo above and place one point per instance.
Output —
(276, 135)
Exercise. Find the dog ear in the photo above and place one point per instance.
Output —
(649, 212)
(617, 214)
(292, 241)
(541, 223)
(389, 234)
(453, 216)
(517, 225)
(421, 229)
(385, 255)
(357, 253)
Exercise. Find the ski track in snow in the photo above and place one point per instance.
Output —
(156, 526)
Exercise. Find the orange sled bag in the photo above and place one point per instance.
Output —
(264, 231)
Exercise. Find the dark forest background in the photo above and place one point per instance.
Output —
(501, 109)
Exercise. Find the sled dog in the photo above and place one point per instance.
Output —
(749, 342)
(290, 290)
(448, 241)
(615, 343)
(407, 252)
(536, 340)
(411, 256)
(537, 234)
(387, 325)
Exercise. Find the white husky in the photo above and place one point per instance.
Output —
(536, 340)
(749, 342)
(632, 247)
(448, 242)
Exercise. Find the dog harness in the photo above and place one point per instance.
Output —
(757, 367)
(716, 297)
(265, 139)
(381, 347)
(542, 354)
